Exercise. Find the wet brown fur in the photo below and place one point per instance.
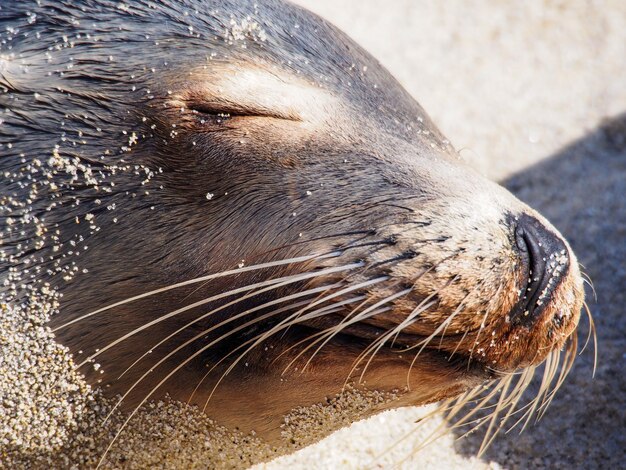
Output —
(297, 144)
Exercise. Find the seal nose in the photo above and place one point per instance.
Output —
(546, 261)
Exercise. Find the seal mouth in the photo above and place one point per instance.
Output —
(546, 261)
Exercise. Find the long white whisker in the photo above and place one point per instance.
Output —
(288, 280)
(378, 344)
(568, 362)
(168, 376)
(592, 331)
(190, 358)
(205, 332)
(424, 343)
(324, 332)
(209, 277)
(314, 314)
(370, 311)
(295, 319)
(440, 430)
(256, 320)
(489, 437)
(271, 282)
(589, 282)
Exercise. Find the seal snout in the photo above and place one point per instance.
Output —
(546, 261)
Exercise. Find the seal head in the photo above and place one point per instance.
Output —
(238, 204)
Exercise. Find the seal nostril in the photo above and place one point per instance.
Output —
(536, 267)
(520, 239)
(546, 260)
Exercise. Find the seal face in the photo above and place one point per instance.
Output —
(237, 204)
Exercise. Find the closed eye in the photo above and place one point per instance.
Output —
(256, 93)
(227, 109)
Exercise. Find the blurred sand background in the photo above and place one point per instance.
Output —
(520, 88)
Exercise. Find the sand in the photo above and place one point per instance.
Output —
(521, 89)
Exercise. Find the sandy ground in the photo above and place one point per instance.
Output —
(521, 89)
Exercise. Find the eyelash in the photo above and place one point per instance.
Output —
(218, 111)
(222, 111)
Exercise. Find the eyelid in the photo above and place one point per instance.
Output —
(226, 107)
(257, 92)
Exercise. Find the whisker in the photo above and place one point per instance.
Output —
(444, 324)
(458, 344)
(480, 406)
(271, 282)
(546, 393)
(314, 314)
(427, 341)
(373, 312)
(289, 280)
(207, 331)
(342, 249)
(204, 348)
(568, 363)
(311, 315)
(545, 383)
(589, 282)
(515, 396)
(475, 343)
(200, 279)
(443, 407)
(377, 344)
(489, 434)
(295, 319)
(370, 311)
(264, 317)
(320, 333)
(352, 243)
(365, 233)
(443, 334)
(165, 379)
(592, 331)
(324, 310)
(508, 400)
(173, 314)
(531, 407)
(525, 383)
(458, 406)
(422, 307)
(366, 268)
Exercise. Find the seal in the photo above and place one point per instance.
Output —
(236, 205)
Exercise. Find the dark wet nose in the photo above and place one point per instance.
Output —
(546, 261)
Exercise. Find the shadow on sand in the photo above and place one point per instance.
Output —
(582, 191)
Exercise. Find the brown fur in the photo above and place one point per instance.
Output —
(281, 145)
